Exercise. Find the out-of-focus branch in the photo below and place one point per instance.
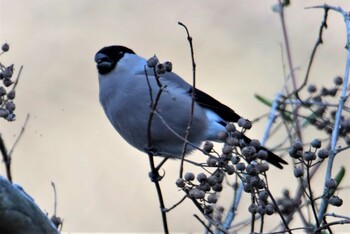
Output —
(343, 98)
(291, 69)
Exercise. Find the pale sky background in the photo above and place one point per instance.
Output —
(102, 182)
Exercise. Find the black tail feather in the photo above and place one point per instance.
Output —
(271, 157)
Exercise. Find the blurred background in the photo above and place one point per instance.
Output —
(102, 182)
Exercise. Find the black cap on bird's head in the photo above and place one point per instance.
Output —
(108, 57)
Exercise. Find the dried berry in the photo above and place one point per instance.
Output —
(311, 88)
(335, 201)
(338, 80)
(5, 47)
(180, 183)
(212, 198)
(331, 184)
(230, 127)
(201, 177)
(323, 153)
(298, 172)
(316, 143)
(153, 61)
(208, 146)
(189, 176)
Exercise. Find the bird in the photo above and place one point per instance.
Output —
(127, 87)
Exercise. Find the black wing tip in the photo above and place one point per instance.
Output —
(275, 160)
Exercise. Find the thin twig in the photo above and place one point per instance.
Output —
(313, 53)
(193, 93)
(155, 178)
(312, 201)
(344, 221)
(176, 204)
(55, 198)
(202, 222)
(278, 210)
(19, 136)
(17, 79)
(291, 68)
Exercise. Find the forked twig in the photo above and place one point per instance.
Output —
(155, 178)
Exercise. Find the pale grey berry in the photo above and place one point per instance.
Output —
(248, 188)
(244, 123)
(180, 183)
(297, 145)
(263, 195)
(235, 159)
(255, 143)
(261, 210)
(229, 169)
(2, 91)
(7, 82)
(316, 143)
(4, 113)
(11, 117)
(208, 210)
(201, 177)
(208, 146)
(222, 136)
(204, 187)
(309, 156)
(240, 166)
(335, 201)
(189, 176)
(199, 194)
(168, 66)
(160, 68)
(253, 208)
(248, 151)
(262, 154)
(298, 172)
(311, 88)
(227, 149)
(262, 167)
(212, 180)
(11, 95)
(217, 187)
(270, 209)
(331, 184)
(153, 61)
(212, 162)
(323, 153)
(338, 80)
(212, 198)
(10, 106)
(230, 127)
(5, 47)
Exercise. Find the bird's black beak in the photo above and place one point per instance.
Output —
(104, 63)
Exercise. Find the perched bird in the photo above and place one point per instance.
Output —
(125, 95)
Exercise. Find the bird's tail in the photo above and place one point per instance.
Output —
(271, 157)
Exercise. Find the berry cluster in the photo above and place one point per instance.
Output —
(7, 92)
(307, 159)
(237, 158)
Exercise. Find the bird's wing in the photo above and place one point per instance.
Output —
(173, 80)
(203, 99)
